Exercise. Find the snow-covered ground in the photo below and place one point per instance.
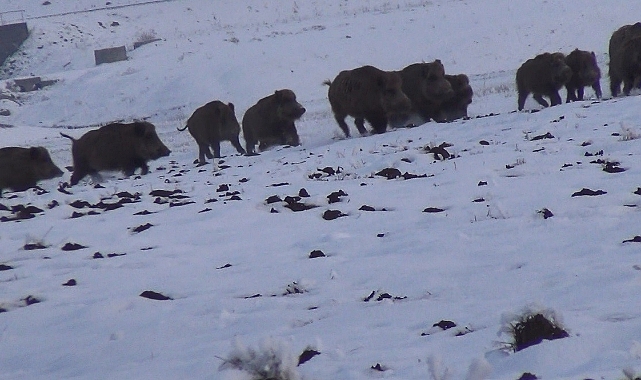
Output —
(239, 270)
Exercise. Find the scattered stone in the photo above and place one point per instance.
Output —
(316, 253)
(541, 137)
(273, 199)
(31, 300)
(143, 212)
(379, 367)
(307, 355)
(528, 376)
(154, 296)
(380, 235)
(279, 184)
(166, 193)
(142, 228)
(332, 214)
(72, 247)
(243, 180)
(70, 282)
(433, 210)
(389, 173)
(479, 200)
(225, 266)
(484, 142)
(612, 167)
(636, 239)
(98, 255)
(33, 246)
(532, 329)
(297, 206)
(335, 196)
(482, 183)
(367, 208)
(445, 325)
(4, 267)
(303, 193)
(546, 213)
(222, 188)
(588, 192)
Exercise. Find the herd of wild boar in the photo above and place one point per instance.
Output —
(420, 92)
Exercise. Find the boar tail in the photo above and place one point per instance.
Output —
(327, 82)
(67, 136)
(182, 129)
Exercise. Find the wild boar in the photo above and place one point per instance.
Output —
(542, 75)
(456, 106)
(427, 88)
(116, 146)
(585, 72)
(271, 121)
(367, 93)
(22, 168)
(212, 123)
(625, 65)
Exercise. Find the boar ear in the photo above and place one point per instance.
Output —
(278, 94)
(35, 152)
(231, 106)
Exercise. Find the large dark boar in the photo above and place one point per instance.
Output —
(624, 59)
(542, 75)
(22, 168)
(427, 88)
(367, 93)
(585, 72)
(271, 121)
(212, 123)
(116, 146)
(456, 106)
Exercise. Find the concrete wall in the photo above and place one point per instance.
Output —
(109, 55)
(11, 37)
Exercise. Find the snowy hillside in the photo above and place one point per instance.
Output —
(504, 227)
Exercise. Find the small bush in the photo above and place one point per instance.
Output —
(271, 361)
(532, 328)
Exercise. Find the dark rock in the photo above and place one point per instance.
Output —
(225, 266)
(31, 300)
(636, 239)
(4, 267)
(367, 208)
(142, 228)
(482, 183)
(445, 325)
(289, 200)
(588, 192)
(316, 253)
(71, 282)
(154, 296)
(389, 173)
(72, 247)
(332, 214)
(433, 210)
(303, 193)
(279, 184)
(335, 196)
(541, 137)
(307, 355)
(484, 142)
(32, 246)
(222, 188)
(546, 213)
(273, 199)
(98, 255)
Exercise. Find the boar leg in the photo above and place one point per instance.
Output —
(340, 119)
(571, 94)
(236, 144)
(203, 150)
(580, 92)
(596, 86)
(215, 145)
(555, 98)
(522, 97)
(360, 125)
(615, 85)
(540, 100)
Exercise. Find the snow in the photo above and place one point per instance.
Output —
(480, 264)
